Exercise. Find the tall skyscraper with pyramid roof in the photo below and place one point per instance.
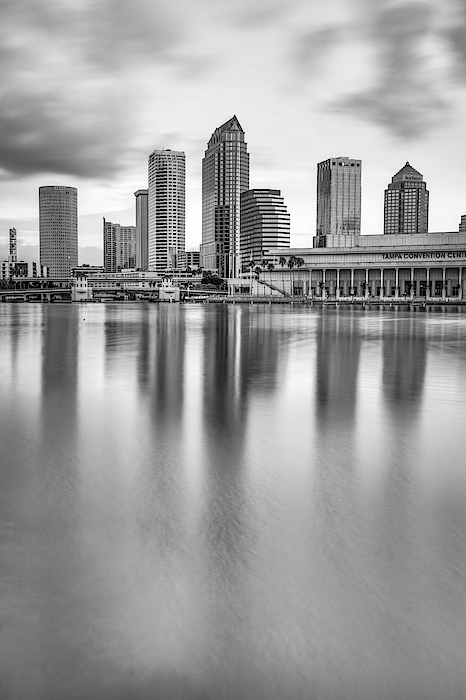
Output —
(225, 175)
(406, 207)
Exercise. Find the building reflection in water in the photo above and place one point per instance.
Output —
(338, 349)
(145, 362)
(404, 349)
(333, 523)
(404, 354)
(241, 353)
(338, 343)
(59, 386)
(54, 508)
(121, 328)
(160, 366)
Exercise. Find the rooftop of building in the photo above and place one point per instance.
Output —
(370, 243)
(407, 172)
(230, 126)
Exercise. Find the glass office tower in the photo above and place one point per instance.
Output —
(225, 175)
(338, 198)
(406, 204)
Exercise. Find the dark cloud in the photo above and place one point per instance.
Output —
(67, 85)
(109, 33)
(455, 34)
(311, 49)
(249, 13)
(43, 133)
(407, 111)
(406, 98)
(409, 94)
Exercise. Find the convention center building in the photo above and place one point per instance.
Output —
(387, 267)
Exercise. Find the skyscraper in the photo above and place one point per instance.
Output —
(142, 248)
(265, 224)
(119, 246)
(166, 209)
(13, 257)
(338, 198)
(406, 206)
(225, 174)
(58, 229)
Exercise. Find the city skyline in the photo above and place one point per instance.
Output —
(343, 193)
(376, 81)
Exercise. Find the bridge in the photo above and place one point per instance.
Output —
(37, 295)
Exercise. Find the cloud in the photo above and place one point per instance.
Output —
(68, 86)
(414, 51)
(406, 98)
(250, 13)
(311, 48)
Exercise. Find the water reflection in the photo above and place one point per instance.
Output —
(231, 502)
(337, 365)
(404, 364)
(161, 355)
(227, 528)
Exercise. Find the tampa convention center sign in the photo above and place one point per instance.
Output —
(443, 255)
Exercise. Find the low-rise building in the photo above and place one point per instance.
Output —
(425, 266)
(13, 270)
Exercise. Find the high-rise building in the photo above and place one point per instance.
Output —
(58, 229)
(142, 248)
(119, 246)
(225, 174)
(166, 209)
(338, 198)
(13, 256)
(406, 207)
(265, 224)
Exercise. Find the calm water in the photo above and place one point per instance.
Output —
(232, 502)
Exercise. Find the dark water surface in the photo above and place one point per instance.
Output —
(232, 502)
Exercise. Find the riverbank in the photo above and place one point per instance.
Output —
(326, 302)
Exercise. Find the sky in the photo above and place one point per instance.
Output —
(88, 88)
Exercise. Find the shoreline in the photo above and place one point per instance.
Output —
(327, 302)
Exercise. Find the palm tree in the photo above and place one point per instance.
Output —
(264, 263)
(282, 261)
(291, 263)
(270, 266)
